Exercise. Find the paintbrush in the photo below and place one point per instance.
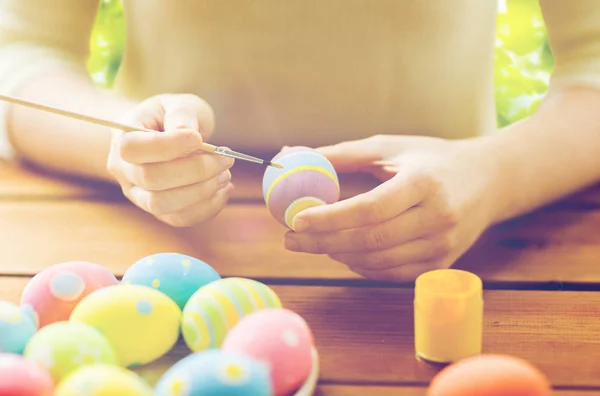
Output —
(224, 151)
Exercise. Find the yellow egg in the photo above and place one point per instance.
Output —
(103, 380)
(141, 323)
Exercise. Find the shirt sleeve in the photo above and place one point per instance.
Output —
(574, 35)
(36, 37)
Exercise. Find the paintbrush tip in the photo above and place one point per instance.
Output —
(274, 165)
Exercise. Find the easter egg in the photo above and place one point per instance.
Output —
(54, 292)
(277, 336)
(103, 380)
(176, 275)
(16, 328)
(62, 347)
(216, 373)
(490, 375)
(307, 179)
(217, 307)
(21, 377)
(141, 323)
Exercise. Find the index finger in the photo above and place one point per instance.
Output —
(384, 202)
(151, 147)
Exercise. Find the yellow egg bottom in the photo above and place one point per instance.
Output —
(298, 206)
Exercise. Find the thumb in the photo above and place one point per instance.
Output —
(354, 155)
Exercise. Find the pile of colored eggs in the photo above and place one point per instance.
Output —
(78, 331)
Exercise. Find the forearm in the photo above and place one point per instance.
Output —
(547, 156)
(62, 144)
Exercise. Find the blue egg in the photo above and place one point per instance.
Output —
(177, 275)
(216, 373)
(17, 326)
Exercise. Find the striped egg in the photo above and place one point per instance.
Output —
(217, 307)
(307, 179)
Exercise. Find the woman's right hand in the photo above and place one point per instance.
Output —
(165, 173)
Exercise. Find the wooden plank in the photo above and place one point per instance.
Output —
(357, 390)
(365, 335)
(19, 182)
(244, 240)
(26, 181)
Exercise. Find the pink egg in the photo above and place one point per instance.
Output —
(280, 338)
(21, 377)
(54, 292)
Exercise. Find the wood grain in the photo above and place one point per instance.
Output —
(244, 240)
(27, 181)
(20, 182)
(365, 335)
(357, 390)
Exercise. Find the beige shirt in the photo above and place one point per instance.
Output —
(304, 72)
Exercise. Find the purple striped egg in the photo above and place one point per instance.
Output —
(307, 179)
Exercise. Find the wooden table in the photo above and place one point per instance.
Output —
(541, 276)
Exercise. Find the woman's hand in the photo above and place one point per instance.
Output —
(435, 201)
(164, 173)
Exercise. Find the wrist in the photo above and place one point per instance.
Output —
(488, 163)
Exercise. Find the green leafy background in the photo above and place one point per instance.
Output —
(523, 60)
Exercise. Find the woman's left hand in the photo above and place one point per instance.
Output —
(435, 200)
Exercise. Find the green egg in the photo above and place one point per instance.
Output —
(217, 307)
(63, 347)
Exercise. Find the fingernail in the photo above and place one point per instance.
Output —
(290, 243)
(224, 178)
(299, 225)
